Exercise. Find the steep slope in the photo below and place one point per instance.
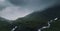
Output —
(38, 19)
(4, 24)
(55, 26)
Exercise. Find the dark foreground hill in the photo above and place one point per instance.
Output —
(5, 25)
(55, 26)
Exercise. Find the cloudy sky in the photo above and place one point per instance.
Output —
(13, 9)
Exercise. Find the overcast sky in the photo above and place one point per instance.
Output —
(13, 9)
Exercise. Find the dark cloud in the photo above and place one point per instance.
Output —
(1, 8)
(17, 2)
(3, 4)
(12, 9)
(33, 4)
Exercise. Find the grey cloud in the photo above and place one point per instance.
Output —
(4, 4)
(2, 7)
(17, 2)
(14, 12)
(33, 4)
(13, 9)
(11, 12)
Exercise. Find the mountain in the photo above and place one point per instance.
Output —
(55, 26)
(4, 24)
(32, 21)
(36, 20)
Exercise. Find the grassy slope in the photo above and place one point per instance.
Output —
(33, 20)
(55, 26)
(4, 25)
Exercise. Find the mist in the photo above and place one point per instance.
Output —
(13, 9)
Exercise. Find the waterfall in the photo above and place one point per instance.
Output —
(44, 27)
(14, 28)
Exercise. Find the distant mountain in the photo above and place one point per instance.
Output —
(2, 19)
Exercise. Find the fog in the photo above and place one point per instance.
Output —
(13, 9)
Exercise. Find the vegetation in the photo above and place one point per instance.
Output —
(4, 24)
(33, 21)
(55, 26)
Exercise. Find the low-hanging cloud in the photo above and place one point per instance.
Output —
(13, 9)
(13, 12)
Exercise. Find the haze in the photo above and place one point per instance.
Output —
(13, 9)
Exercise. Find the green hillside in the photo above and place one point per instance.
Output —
(55, 26)
(4, 25)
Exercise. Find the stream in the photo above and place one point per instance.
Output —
(44, 27)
